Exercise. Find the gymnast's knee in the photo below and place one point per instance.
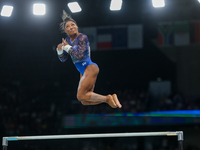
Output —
(84, 103)
(80, 97)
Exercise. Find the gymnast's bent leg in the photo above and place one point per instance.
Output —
(85, 92)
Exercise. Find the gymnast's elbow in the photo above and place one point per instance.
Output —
(62, 60)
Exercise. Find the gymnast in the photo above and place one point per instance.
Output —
(77, 46)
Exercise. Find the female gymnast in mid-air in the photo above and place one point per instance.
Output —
(77, 46)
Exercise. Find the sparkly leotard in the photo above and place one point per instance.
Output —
(80, 52)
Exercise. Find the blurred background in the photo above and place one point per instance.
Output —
(148, 56)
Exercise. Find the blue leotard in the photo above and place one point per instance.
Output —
(80, 52)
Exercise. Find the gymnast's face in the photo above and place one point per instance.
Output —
(71, 28)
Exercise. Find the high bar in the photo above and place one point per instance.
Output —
(47, 137)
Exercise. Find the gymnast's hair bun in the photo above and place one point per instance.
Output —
(65, 18)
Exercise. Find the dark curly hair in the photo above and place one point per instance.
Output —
(65, 18)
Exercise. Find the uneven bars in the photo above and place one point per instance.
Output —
(47, 137)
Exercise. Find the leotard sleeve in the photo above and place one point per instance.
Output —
(63, 57)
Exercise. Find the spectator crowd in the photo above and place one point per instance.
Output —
(38, 108)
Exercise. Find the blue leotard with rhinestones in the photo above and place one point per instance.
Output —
(80, 52)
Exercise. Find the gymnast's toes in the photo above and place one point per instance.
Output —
(110, 101)
(116, 100)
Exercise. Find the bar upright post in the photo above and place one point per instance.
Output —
(5, 143)
(180, 140)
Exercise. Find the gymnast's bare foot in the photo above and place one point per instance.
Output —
(116, 100)
(110, 101)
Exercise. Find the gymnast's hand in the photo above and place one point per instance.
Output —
(64, 42)
(65, 46)
(60, 47)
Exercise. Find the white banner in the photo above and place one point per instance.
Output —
(182, 35)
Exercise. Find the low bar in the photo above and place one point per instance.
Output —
(179, 134)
